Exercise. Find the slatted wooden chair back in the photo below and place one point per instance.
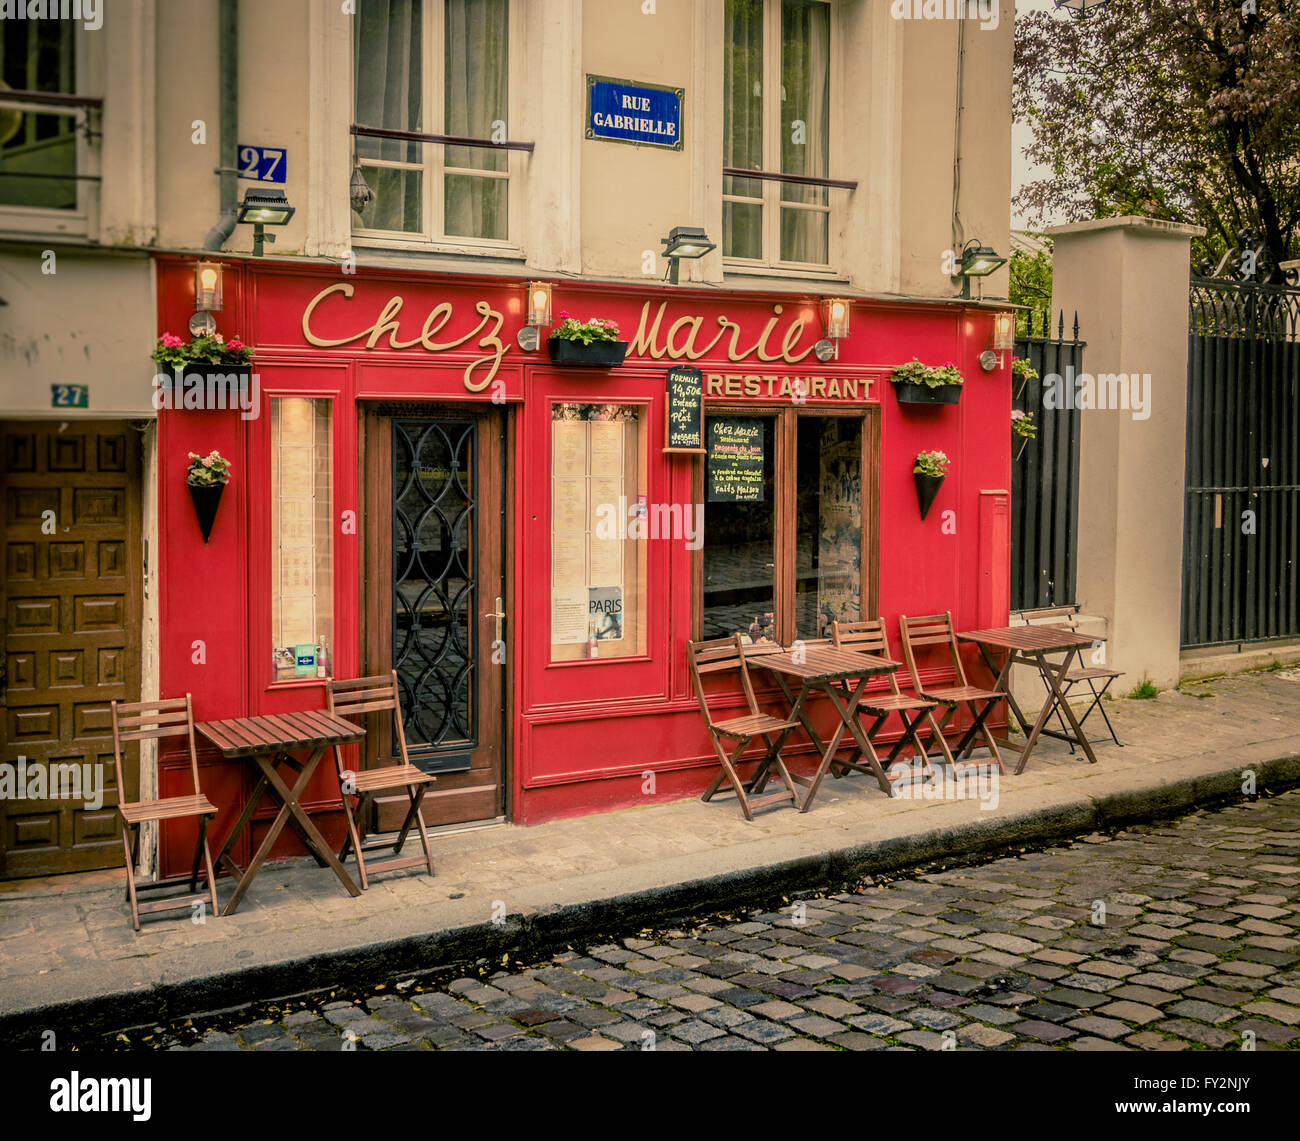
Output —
(150, 720)
(1065, 616)
(865, 637)
(723, 655)
(930, 630)
(358, 696)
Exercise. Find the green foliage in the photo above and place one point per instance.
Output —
(205, 471)
(1031, 279)
(1144, 690)
(914, 372)
(592, 329)
(1185, 110)
(1022, 424)
(931, 463)
(207, 349)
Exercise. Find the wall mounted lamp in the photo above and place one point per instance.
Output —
(684, 242)
(1080, 9)
(263, 208)
(539, 304)
(977, 261)
(207, 287)
(1001, 338)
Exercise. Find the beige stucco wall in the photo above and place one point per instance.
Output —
(1128, 280)
(89, 322)
(594, 206)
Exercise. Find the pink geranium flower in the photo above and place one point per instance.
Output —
(169, 341)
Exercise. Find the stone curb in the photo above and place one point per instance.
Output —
(210, 984)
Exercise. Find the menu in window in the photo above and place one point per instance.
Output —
(734, 465)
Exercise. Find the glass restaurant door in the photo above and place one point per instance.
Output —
(433, 593)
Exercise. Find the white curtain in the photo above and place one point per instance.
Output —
(805, 124)
(388, 82)
(476, 102)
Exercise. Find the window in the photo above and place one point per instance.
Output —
(783, 525)
(434, 67)
(302, 600)
(599, 526)
(776, 118)
(39, 141)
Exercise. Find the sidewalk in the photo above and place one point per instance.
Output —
(71, 956)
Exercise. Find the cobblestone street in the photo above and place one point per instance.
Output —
(1174, 936)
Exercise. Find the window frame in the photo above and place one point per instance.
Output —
(433, 166)
(771, 202)
(77, 221)
(784, 549)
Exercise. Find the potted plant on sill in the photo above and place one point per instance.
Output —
(592, 343)
(916, 383)
(929, 472)
(207, 478)
(206, 356)
(1023, 428)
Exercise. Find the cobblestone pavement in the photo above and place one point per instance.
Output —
(1173, 936)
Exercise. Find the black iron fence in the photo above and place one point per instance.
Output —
(1045, 472)
(1241, 524)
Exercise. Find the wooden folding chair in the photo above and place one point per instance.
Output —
(147, 720)
(725, 654)
(370, 695)
(869, 637)
(1068, 617)
(937, 630)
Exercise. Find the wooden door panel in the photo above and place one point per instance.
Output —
(472, 516)
(70, 530)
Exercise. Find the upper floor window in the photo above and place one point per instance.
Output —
(438, 67)
(40, 143)
(776, 119)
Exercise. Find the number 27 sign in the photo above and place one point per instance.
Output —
(263, 164)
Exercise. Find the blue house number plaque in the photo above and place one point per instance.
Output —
(643, 114)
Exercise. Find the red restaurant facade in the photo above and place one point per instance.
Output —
(412, 490)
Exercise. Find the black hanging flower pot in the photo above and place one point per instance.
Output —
(927, 487)
(908, 393)
(206, 499)
(598, 354)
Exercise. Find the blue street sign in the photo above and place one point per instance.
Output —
(69, 396)
(263, 164)
(641, 113)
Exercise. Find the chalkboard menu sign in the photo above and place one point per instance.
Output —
(735, 460)
(684, 431)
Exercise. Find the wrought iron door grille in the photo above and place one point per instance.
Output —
(435, 588)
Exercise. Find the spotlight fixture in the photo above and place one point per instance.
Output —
(977, 261)
(263, 208)
(684, 242)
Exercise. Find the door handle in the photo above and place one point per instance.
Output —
(499, 615)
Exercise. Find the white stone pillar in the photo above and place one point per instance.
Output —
(1128, 280)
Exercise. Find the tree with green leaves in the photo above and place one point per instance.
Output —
(1187, 110)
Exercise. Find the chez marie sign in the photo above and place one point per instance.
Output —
(337, 317)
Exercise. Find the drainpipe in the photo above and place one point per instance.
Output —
(228, 83)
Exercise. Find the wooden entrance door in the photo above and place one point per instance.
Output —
(434, 525)
(70, 526)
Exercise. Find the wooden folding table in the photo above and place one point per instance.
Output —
(826, 669)
(1030, 645)
(265, 741)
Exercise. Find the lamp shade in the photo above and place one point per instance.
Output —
(539, 303)
(836, 312)
(1004, 331)
(207, 287)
